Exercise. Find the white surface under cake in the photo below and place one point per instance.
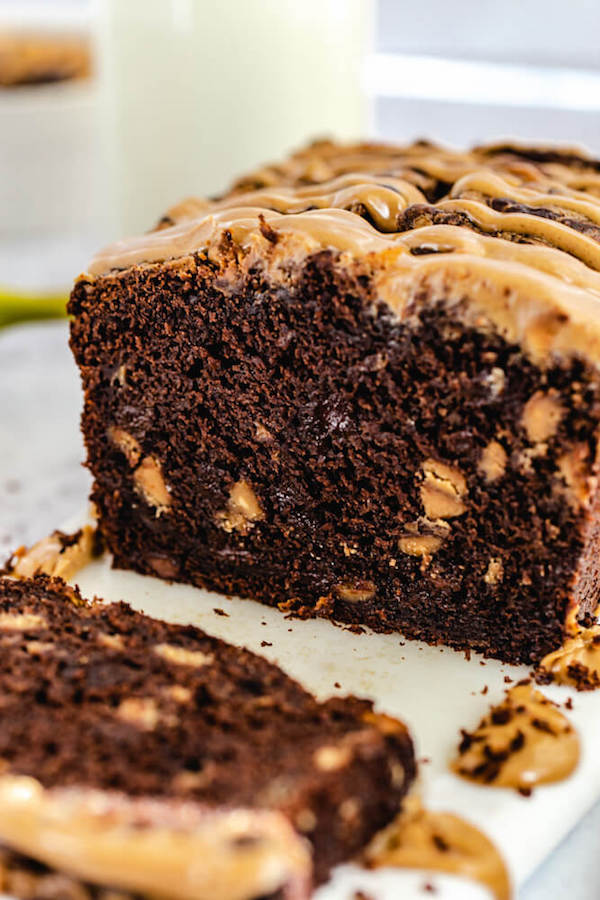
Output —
(435, 690)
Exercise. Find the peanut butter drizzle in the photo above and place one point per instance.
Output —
(419, 162)
(55, 556)
(522, 742)
(576, 662)
(325, 160)
(152, 847)
(484, 184)
(384, 198)
(426, 839)
(548, 231)
(540, 289)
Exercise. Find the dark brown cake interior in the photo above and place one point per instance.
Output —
(327, 410)
(102, 696)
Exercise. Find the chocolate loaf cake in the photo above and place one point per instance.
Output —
(363, 385)
(154, 759)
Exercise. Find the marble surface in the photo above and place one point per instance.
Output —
(42, 483)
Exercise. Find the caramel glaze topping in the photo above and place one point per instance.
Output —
(510, 235)
(424, 839)
(522, 742)
(576, 662)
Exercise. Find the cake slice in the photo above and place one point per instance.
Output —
(363, 385)
(154, 759)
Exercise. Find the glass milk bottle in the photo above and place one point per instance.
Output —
(198, 91)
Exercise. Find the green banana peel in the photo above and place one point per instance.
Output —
(21, 306)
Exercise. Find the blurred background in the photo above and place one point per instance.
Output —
(113, 110)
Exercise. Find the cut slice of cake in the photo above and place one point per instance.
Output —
(155, 759)
(364, 385)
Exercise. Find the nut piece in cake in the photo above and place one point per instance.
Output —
(331, 758)
(181, 656)
(150, 484)
(140, 711)
(442, 490)
(126, 443)
(356, 591)
(541, 416)
(243, 509)
(423, 537)
(494, 571)
(575, 470)
(492, 464)
(21, 621)
(419, 544)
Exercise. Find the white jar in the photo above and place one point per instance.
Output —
(198, 91)
(52, 195)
